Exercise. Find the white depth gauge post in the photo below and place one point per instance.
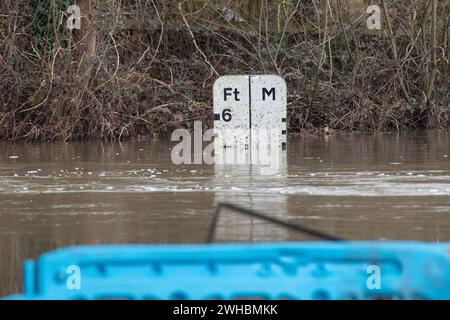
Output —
(250, 111)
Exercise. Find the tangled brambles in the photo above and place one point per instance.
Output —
(148, 67)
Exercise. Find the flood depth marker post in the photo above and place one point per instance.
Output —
(248, 110)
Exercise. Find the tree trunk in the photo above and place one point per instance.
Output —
(87, 38)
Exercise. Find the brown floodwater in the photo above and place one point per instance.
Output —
(361, 187)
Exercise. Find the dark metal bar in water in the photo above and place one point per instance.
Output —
(295, 227)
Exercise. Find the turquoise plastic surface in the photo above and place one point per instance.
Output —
(301, 270)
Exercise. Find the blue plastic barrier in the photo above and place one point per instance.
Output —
(301, 270)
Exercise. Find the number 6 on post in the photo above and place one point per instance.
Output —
(250, 111)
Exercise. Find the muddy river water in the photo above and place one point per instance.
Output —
(362, 187)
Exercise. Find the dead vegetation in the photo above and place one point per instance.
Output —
(146, 66)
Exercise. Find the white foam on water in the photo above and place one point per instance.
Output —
(360, 183)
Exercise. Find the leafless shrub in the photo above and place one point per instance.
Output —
(147, 66)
